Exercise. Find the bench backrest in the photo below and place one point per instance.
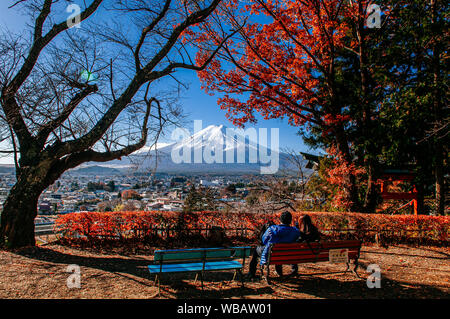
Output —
(296, 253)
(201, 254)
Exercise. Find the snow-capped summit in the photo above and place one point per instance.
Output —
(215, 148)
(218, 138)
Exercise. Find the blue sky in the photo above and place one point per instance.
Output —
(195, 102)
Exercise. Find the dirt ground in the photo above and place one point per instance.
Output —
(41, 272)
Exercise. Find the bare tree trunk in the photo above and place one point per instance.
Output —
(437, 108)
(369, 204)
(43, 124)
(350, 188)
(19, 212)
(439, 177)
(371, 195)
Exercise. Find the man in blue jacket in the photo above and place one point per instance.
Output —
(283, 233)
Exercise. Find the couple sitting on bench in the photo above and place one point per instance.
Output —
(304, 231)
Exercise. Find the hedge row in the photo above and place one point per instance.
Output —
(387, 229)
(148, 225)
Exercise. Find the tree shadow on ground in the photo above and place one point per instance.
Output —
(183, 289)
(310, 286)
(220, 284)
(348, 286)
(178, 285)
(132, 266)
(445, 256)
(331, 288)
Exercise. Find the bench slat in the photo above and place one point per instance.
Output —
(313, 252)
(293, 252)
(342, 244)
(240, 253)
(199, 253)
(296, 246)
(176, 256)
(190, 267)
(194, 255)
(304, 258)
(277, 252)
(316, 245)
(298, 261)
(201, 249)
(290, 258)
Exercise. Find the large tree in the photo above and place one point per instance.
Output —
(415, 113)
(299, 61)
(72, 95)
(341, 71)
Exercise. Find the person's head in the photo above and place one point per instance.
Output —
(216, 236)
(305, 224)
(286, 218)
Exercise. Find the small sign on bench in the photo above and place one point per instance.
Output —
(337, 256)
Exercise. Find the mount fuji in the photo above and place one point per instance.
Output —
(214, 149)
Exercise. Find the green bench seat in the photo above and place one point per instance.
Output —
(195, 267)
(198, 260)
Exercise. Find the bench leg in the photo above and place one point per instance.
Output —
(201, 278)
(234, 275)
(261, 269)
(157, 280)
(159, 286)
(196, 277)
(348, 267)
(242, 277)
(354, 270)
(267, 274)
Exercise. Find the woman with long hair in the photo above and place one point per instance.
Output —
(308, 232)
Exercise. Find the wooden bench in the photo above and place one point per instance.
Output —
(299, 253)
(198, 260)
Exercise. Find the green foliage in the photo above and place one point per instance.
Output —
(110, 186)
(251, 199)
(406, 96)
(231, 188)
(319, 189)
(74, 186)
(199, 200)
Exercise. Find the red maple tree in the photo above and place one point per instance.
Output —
(285, 64)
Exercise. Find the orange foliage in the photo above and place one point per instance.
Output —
(145, 224)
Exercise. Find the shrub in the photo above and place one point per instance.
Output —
(148, 225)
(390, 229)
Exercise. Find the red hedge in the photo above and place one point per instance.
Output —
(432, 230)
(148, 224)
(142, 224)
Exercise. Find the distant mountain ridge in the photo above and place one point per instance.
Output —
(214, 149)
(7, 169)
(97, 170)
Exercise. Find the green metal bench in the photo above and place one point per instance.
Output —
(198, 260)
